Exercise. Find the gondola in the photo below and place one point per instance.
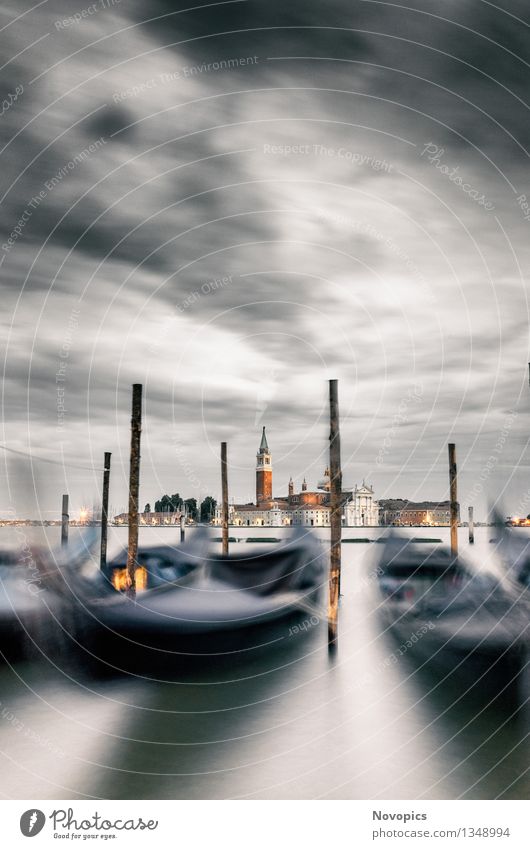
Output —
(194, 603)
(27, 607)
(513, 547)
(452, 621)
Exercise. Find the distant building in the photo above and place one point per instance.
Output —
(361, 510)
(309, 508)
(401, 512)
(263, 472)
(150, 518)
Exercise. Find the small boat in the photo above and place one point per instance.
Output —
(513, 547)
(156, 566)
(203, 603)
(451, 620)
(26, 605)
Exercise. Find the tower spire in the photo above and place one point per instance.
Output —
(263, 448)
(263, 472)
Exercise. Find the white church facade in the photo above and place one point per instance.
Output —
(361, 510)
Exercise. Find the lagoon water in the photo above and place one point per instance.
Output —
(290, 723)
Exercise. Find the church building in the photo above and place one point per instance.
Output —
(361, 510)
(309, 508)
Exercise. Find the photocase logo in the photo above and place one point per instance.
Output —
(32, 822)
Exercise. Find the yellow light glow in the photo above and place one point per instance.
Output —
(119, 579)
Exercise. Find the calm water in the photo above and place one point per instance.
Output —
(289, 724)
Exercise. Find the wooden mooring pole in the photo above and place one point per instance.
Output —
(335, 474)
(182, 527)
(134, 489)
(224, 487)
(471, 525)
(105, 511)
(453, 476)
(65, 519)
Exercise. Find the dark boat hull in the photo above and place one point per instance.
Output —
(223, 607)
(458, 626)
(482, 666)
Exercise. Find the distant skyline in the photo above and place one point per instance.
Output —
(234, 204)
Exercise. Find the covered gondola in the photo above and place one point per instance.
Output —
(452, 620)
(191, 602)
(513, 547)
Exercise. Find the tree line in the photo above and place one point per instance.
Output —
(174, 503)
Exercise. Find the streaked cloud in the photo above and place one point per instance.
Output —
(298, 176)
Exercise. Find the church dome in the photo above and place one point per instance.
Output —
(325, 482)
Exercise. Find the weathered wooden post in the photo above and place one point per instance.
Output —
(335, 475)
(471, 525)
(453, 474)
(105, 511)
(134, 489)
(224, 487)
(182, 527)
(65, 519)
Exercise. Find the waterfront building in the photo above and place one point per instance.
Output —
(150, 518)
(263, 472)
(308, 508)
(361, 509)
(401, 512)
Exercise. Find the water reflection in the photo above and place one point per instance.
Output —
(285, 722)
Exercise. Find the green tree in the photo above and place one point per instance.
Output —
(191, 508)
(176, 502)
(208, 509)
(147, 508)
(169, 504)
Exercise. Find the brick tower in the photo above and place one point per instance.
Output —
(263, 472)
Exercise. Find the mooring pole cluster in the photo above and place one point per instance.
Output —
(335, 505)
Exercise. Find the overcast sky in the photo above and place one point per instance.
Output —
(234, 204)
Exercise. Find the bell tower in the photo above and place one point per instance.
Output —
(263, 472)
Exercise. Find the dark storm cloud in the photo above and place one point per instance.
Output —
(470, 48)
(110, 121)
(281, 146)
